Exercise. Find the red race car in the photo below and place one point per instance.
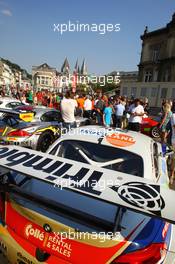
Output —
(149, 127)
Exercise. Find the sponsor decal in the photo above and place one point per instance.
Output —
(47, 241)
(12, 139)
(26, 117)
(34, 232)
(54, 170)
(93, 132)
(141, 195)
(120, 140)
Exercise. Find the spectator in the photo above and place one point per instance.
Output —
(136, 112)
(107, 115)
(35, 99)
(80, 102)
(119, 112)
(165, 122)
(87, 107)
(68, 107)
(30, 97)
(99, 106)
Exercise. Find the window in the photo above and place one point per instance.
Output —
(153, 91)
(148, 76)
(143, 92)
(10, 121)
(88, 152)
(173, 93)
(167, 75)
(163, 93)
(125, 91)
(133, 91)
(51, 116)
(13, 104)
(42, 80)
(74, 209)
(155, 54)
(38, 79)
(155, 77)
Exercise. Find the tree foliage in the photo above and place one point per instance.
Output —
(15, 66)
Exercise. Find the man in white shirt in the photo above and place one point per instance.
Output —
(68, 106)
(87, 107)
(136, 112)
(119, 111)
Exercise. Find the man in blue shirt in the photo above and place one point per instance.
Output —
(107, 115)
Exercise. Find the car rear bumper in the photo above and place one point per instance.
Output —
(15, 253)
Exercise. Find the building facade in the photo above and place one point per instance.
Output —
(157, 62)
(43, 77)
(154, 91)
(46, 77)
(156, 77)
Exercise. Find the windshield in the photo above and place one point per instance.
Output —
(100, 155)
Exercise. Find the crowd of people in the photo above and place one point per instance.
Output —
(116, 111)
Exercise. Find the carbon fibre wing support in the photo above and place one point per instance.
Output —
(132, 192)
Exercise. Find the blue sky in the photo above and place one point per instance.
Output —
(27, 34)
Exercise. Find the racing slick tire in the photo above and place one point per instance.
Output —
(44, 141)
(155, 133)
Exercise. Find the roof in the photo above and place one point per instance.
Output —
(8, 99)
(44, 67)
(159, 31)
(139, 143)
(120, 189)
(130, 141)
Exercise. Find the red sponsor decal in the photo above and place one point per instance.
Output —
(121, 140)
(31, 236)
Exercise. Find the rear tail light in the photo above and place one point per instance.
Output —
(2, 207)
(19, 133)
(149, 255)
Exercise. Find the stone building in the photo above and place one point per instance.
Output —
(156, 77)
(43, 77)
(157, 62)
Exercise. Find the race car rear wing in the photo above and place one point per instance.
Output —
(132, 192)
(24, 115)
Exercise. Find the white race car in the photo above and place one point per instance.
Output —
(135, 154)
(10, 103)
(107, 202)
